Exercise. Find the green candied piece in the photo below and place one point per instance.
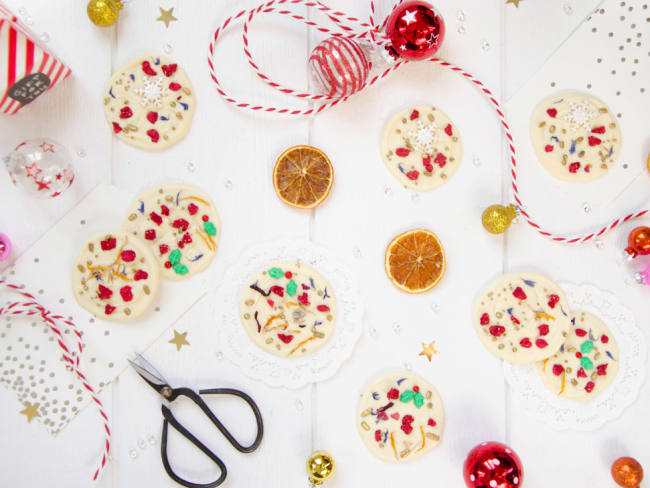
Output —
(586, 363)
(180, 269)
(586, 347)
(418, 399)
(175, 257)
(276, 273)
(292, 287)
(209, 228)
(407, 396)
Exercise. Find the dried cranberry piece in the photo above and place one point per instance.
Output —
(323, 308)
(541, 343)
(128, 256)
(594, 141)
(126, 113)
(278, 290)
(519, 293)
(181, 224)
(156, 218)
(552, 112)
(109, 309)
(286, 338)
(126, 293)
(485, 319)
(164, 210)
(448, 130)
(152, 117)
(153, 135)
(552, 300)
(413, 175)
(163, 248)
(543, 329)
(601, 369)
(173, 86)
(116, 128)
(581, 332)
(140, 275)
(150, 234)
(414, 115)
(525, 342)
(146, 67)
(402, 152)
(590, 386)
(393, 394)
(558, 369)
(108, 244)
(497, 330)
(169, 69)
(104, 293)
(192, 208)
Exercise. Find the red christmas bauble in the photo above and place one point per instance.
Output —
(493, 465)
(338, 66)
(416, 30)
(638, 242)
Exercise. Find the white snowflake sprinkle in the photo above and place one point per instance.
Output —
(152, 92)
(580, 115)
(424, 137)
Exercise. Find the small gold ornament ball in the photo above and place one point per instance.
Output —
(103, 12)
(320, 466)
(496, 218)
(627, 472)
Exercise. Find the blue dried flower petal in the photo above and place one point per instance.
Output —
(530, 283)
(399, 382)
(196, 258)
(141, 207)
(375, 395)
(573, 147)
(609, 354)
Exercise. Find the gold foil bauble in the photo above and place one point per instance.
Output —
(320, 466)
(496, 218)
(638, 242)
(103, 12)
(627, 472)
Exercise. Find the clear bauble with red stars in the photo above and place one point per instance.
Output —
(41, 167)
(416, 30)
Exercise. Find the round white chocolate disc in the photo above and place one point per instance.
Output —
(576, 136)
(421, 147)
(522, 317)
(586, 363)
(400, 417)
(288, 309)
(149, 102)
(180, 225)
(115, 276)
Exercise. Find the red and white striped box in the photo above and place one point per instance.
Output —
(27, 68)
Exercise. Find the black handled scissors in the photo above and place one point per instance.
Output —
(169, 394)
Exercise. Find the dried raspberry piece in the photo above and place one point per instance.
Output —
(104, 293)
(589, 387)
(552, 300)
(270, 302)
(407, 428)
(323, 308)
(548, 148)
(543, 329)
(140, 275)
(558, 369)
(146, 67)
(126, 112)
(440, 160)
(288, 275)
(426, 162)
(278, 290)
(109, 309)
(525, 342)
(150, 234)
(164, 210)
(598, 130)
(393, 394)
(448, 130)
(581, 373)
(407, 419)
(181, 224)
(163, 248)
(514, 320)
(485, 319)
(594, 141)
(187, 238)
(128, 256)
(382, 416)
(108, 244)
(414, 115)
(413, 175)
(152, 117)
(169, 69)
(604, 339)
(286, 338)
(431, 423)
(126, 293)
(541, 343)
(519, 293)
(574, 167)
(173, 86)
(552, 112)
(581, 332)
(168, 264)
(304, 299)
(192, 208)
(378, 435)
(153, 135)
(588, 168)
(601, 369)
(496, 330)
(156, 218)
(402, 152)
(395, 415)
(180, 244)
(116, 128)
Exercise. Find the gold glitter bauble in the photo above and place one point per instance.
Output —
(496, 218)
(627, 472)
(320, 466)
(103, 12)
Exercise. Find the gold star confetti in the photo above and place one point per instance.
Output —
(30, 411)
(429, 350)
(516, 2)
(179, 340)
(166, 16)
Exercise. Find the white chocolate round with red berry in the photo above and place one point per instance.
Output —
(181, 226)
(576, 136)
(115, 276)
(421, 147)
(149, 102)
(522, 317)
(400, 417)
(288, 309)
(586, 363)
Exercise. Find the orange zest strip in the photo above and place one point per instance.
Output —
(291, 304)
(563, 383)
(270, 319)
(540, 315)
(204, 239)
(424, 441)
(392, 443)
(544, 365)
(298, 346)
(196, 198)
(125, 278)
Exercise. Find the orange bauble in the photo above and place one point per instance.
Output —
(638, 242)
(627, 472)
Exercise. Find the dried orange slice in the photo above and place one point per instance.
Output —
(415, 261)
(303, 176)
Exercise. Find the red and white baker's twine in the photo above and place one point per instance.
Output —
(370, 32)
(71, 354)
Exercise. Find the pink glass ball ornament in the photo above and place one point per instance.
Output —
(338, 67)
(416, 30)
(5, 246)
(41, 167)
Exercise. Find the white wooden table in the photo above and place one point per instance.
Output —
(233, 153)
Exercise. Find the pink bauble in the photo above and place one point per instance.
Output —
(493, 465)
(416, 30)
(339, 67)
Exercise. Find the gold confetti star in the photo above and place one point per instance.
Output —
(429, 350)
(166, 16)
(179, 340)
(30, 411)
(516, 2)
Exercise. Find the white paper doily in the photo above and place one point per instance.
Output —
(561, 414)
(235, 345)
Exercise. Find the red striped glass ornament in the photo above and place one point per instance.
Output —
(338, 67)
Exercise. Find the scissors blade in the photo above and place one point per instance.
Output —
(149, 373)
